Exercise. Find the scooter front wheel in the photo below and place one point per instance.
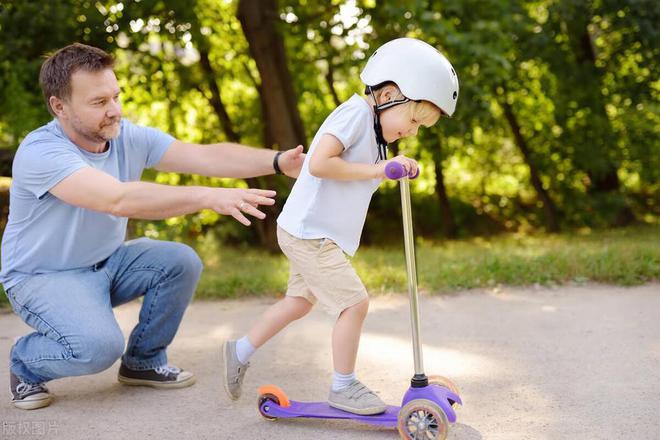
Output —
(445, 383)
(422, 419)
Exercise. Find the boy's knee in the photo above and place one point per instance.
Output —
(299, 306)
(360, 309)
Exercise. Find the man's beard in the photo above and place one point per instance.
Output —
(108, 130)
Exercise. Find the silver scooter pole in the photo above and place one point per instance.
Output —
(395, 170)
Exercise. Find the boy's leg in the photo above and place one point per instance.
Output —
(166, 275)
(347, 393)
(335, 283)
(236, 357)
(278, 316)
(346, 337)
(75, 330)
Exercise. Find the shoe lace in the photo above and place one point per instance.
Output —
(168, 370)
(25, 388)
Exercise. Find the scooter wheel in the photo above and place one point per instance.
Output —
(445, 383)
(263, 399)
(422, 419)
(271, 393)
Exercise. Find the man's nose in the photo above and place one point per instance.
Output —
(114, 109)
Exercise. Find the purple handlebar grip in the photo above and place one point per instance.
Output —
(394, 170)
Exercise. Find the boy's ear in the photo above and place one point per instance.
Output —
(386, 94)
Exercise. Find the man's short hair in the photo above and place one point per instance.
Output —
(56, 71)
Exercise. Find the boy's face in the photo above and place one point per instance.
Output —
(398, 123)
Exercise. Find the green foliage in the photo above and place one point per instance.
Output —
(578, 78)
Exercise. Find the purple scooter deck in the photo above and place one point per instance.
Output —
(321, 410)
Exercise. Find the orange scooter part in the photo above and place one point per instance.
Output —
(276, 391)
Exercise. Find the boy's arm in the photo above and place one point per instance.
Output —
(326, 163)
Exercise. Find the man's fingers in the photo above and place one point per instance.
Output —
(262, 192)
(254, 199)
(253, 211)
(238, 215)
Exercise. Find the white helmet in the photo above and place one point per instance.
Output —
(419, 70)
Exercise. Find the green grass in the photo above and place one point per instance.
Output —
(628, 256)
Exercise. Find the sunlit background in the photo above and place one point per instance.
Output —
(556, 126)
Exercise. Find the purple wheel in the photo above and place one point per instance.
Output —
(422, 419)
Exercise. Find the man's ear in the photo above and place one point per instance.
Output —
(56, 105)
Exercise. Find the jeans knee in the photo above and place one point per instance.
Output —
(186, 260)
(96, 353)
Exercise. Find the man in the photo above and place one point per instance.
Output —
(65, 264)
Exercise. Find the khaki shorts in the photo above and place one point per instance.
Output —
(319, 270)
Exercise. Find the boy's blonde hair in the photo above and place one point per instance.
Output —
(421, 111)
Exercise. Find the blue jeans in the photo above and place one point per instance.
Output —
(71, 311)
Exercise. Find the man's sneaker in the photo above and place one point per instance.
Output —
(357, 399)
(234, 370)
(161, 377)
(28, 396)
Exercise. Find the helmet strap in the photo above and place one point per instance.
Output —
(378, 129)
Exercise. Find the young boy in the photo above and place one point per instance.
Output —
(408, 84)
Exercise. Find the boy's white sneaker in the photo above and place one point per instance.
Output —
(356, 398)
(234, 370)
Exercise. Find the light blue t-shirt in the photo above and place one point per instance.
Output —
(43, 233)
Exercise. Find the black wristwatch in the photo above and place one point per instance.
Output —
(276, 165)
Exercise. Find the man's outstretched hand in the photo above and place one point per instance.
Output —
(291, 161)
(237, 202)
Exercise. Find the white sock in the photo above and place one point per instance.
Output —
(244, 350)
(340, 381)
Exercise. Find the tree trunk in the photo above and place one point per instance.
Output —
(448, 223)
(549, 208)
(6, 161)
(597, 140)
(283, 126)
(449, 228)
(266, 228)
(216, 98)
(258, 20)
(330, 80)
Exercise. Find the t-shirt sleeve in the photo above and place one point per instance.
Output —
(347, 123)
(40, 166)
(152, 141)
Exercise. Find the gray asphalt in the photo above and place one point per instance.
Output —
(572, 362)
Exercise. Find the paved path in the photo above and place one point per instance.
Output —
(562, 363)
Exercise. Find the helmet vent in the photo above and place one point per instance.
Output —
(455, 94)
(452, 71)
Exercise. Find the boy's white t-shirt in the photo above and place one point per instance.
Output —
(335, 209)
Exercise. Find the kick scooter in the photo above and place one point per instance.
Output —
(428, 405)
